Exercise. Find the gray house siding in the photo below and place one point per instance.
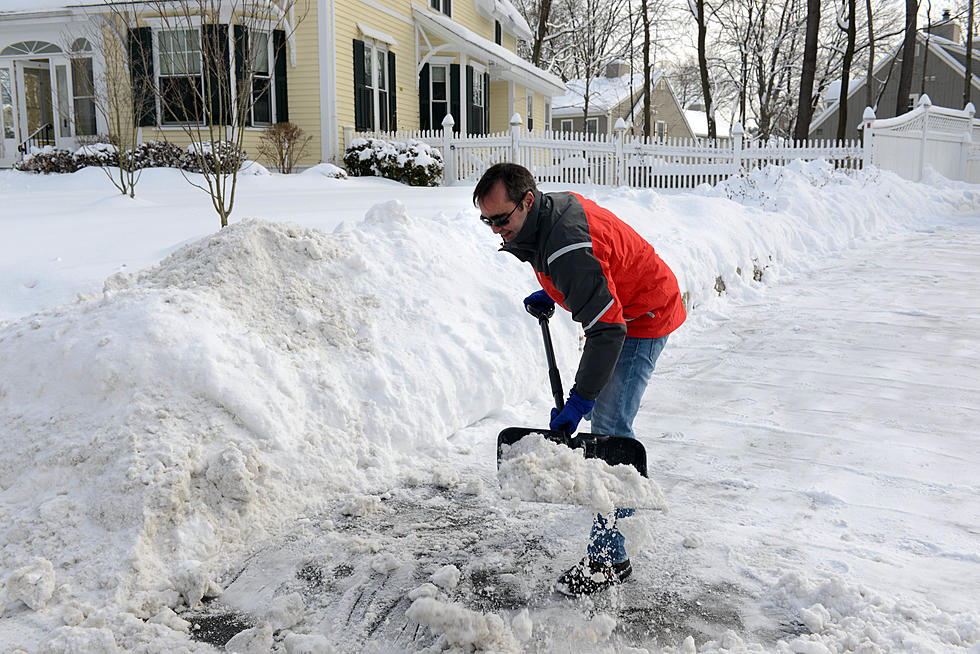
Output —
(943, 85)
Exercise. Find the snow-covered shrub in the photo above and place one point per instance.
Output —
(48, 160)
(214, 157)
(158, 154)
(97, 154)
(414, 163)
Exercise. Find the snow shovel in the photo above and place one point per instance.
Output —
(614, 450)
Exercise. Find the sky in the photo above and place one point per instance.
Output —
(283, 432)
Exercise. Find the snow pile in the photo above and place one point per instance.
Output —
(198, 405)
(536, 470)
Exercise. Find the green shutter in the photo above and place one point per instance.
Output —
(425, 110)
(454, 96)
(362, 95)
(242, 78)
(141, 75)
(282, 90)
(217, 76)
(486, 103)
(470, 114)
(392, 114)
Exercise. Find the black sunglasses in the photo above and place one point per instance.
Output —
(502, 219)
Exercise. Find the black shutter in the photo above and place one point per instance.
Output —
(486, 103)
(425, 111)
(217, 77)
(282, 91)
(242, 78)
(392, 114)
(471, 123)
(141, 76)
(362, 94)
(454, 96)
(447, 7)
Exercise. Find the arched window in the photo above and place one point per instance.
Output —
(31, 47)
(81, 46)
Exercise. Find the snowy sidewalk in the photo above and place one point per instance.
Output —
(831, 428)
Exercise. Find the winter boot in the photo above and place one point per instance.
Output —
(589, 577)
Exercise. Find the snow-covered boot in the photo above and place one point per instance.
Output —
(588, 577)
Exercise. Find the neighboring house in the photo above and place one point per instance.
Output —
(619, 94)
(942, 53)
(698, 121)
(370, 64)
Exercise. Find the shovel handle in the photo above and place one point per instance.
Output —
(553, 374)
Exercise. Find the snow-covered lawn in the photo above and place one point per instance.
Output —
(287, 428)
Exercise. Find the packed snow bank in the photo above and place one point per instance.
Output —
(536, 470)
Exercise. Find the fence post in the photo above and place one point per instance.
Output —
(516, 122)
(737, 133)
(449, 175)
(967, 144)
(925, 103)
(620, 161)
(348, 136)
(867, 127)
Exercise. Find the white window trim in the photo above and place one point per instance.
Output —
(547, 115)
(441, 9)
(592, 120)
(182, 25)
(567, 122)
(529, 107)
(443, 62)
(378, 48)
(271, 54)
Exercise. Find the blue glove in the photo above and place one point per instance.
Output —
(539, 301)
(568, 418)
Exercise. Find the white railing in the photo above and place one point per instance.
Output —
(948, 140)
(615, 159)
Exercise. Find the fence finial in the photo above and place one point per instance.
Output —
(448, 122)
(737, 129)
(970, 109)
(620, 125)
(924, 101)
(869, 114)
(516, 119)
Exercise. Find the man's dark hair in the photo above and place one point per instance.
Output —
(517, 179)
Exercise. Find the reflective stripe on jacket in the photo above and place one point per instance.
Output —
(603, 272)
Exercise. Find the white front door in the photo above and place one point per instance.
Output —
(8, 115)
(36, 104)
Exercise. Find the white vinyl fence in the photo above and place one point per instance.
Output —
(948, 140)
(614, 159)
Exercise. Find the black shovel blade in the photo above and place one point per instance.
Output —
(614, 450)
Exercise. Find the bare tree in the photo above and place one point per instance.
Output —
(908, 58)
(804, 109)
(594, 39)
(845, 85)
(968, 79)
(699, 10)
(218, 65)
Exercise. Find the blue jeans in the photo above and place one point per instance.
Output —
(613, 414)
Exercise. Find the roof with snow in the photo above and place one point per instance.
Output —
(605, 93)
(698, 121)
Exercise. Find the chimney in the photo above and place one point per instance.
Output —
(947, 28)
(617, 68)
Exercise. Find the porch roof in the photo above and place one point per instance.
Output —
(503, 64)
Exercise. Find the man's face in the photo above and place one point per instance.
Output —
(496, 205)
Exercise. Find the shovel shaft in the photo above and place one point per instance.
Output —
(553, 374)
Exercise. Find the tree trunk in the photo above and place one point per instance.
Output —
(869, 91)
(804, 112)
(709, 110)
(845, 83)
(543, 11)
(968, 81)
(908, 58)
(646, 70)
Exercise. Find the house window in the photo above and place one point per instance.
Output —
(442, 6)
(592, 126)
(567, 125)
(530, 111)
(6, 103)
(478, 103)
(661, 127)
(439, 94)
(547, 115)
(180, 78)
(83, 88)
(373, 67)
(261, 59)
(913, 99)
(498, 33)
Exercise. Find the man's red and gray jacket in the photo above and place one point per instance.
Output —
(603, 272)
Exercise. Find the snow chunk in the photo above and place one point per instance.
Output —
(536, 470)
(522, 626)
(257, 640)
(306, 644)
(32, 584)
(79, 640)
(446, 577)
(462, 628)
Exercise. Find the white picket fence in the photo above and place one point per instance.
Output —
(948, 140)
(614, 159)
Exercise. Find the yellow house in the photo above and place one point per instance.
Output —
(374, 65)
